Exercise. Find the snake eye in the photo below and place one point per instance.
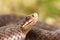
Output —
(32, 15)
(27, 18)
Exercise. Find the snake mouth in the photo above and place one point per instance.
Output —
(31, 20)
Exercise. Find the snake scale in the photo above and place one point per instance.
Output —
(43, 31)
(40, 31)
(13, 29)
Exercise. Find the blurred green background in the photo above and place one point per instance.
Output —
(48, 10)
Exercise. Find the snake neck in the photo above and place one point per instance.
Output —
(28, 23)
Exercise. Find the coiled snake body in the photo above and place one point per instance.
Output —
(43, 31)
(16, 29)
(40, 31)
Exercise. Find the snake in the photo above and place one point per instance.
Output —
(44, 31)
(16, 29)
(40, 31)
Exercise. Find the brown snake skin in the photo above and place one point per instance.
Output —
(11, 18)
(15, 29)
(40, 31)
(43, 31)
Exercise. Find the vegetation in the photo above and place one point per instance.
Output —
(48, 10)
